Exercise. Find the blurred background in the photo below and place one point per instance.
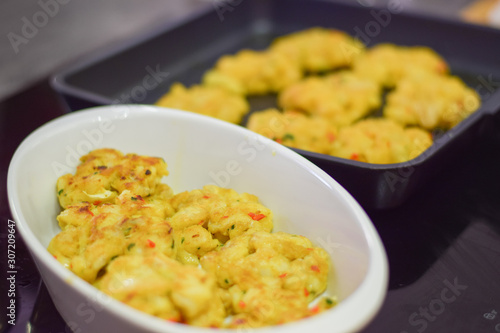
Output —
(40, 36)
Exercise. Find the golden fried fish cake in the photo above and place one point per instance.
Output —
(87, 249)
(125, 204)
(380, 141)
(387, 64)
(163, 287)
(223, 212)
(277, 272)
(342, 97)
(105, 173)
(319, 49)
(294, 129)
(250, 72)
(211, 101)
(431, 101)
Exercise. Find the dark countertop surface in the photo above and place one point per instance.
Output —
(443, 244)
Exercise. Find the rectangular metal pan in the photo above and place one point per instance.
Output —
(142, 70)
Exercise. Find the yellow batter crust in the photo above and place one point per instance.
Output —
(210, 101)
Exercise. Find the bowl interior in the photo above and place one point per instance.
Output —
(200, 150)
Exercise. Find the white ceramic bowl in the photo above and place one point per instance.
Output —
(198, 150)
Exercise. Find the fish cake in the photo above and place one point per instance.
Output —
(341, 98)
(268, 278)
(87, 249)
(431, 101)
(250, 72)
(224, 212)
(163, 287)
(387, 64)
(294, 129)
(211, 101)
(105, 173)
(380, 141)
(319, 49)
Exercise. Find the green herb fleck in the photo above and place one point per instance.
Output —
(133, 198)
(226, 280)
(329, 301)
(60, 191)
(126, 232)
(182, 240)
(232, 227)
(173, 243)
(114, 257)
(130, 246)
(288, 136)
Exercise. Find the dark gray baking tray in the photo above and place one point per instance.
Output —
(142, 70)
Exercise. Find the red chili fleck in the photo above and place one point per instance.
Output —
(206, 197)
(225, 216)
(256, 217)
(330, 137)
(140, 198)
(130, 296)
(283, 275)
(306, 292)
(309, 249)
(278, 140)
(97, 203)
(242, 304)
(201, 222)
(151, 244)
(55, 257)
(314, 309)
(195, 235)
(315, 268)
(354, 156)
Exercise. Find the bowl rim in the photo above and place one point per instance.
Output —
(375, 282)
